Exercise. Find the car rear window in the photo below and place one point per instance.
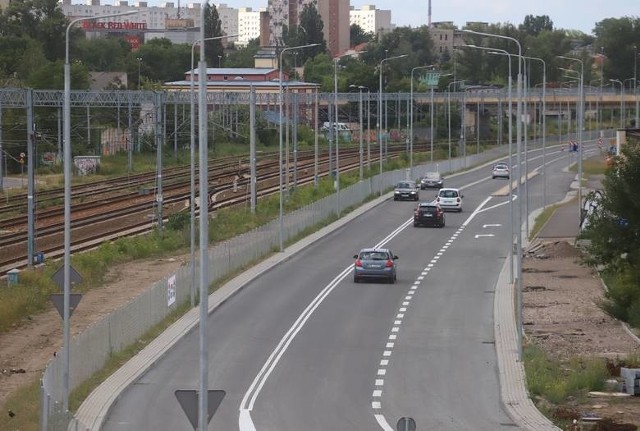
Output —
(373, 255)
(448, 194)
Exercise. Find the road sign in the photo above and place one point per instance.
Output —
(58, 302)
(58, 277)
(430, 79)
(188, 399)
(406, 424)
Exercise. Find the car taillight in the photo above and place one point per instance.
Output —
(358, 263)
(389, 263)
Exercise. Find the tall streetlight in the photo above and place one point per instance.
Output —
(624, 87)
(580, 127)
(139, 65)
(67, 198)
(280, 215)
(360, 88)
(192, 292)
(617, 81)
(509, 95)
(449, 114)
(411, 120)
(519, 150)
(380, 111)
(635, 83)
(544, 128)
(335, 127)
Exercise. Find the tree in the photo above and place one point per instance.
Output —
(243, 57)
(619, 38)
(41, 20)
(214, 50)
(534, 25)
(614, 234)
(311, 31)
(103, 54)
(358, 35)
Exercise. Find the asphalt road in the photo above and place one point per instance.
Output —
(304, 348)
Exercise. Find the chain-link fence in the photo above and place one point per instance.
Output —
(90, 350)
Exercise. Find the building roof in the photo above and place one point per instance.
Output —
(243, 83)
(235, 71)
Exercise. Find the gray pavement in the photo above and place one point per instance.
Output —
(514, 394)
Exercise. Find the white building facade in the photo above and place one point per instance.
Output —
(370, 19)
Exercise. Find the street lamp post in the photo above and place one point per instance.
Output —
(280, 211)
(625, 105)
(360, 87)
(580, 126)
(380, 111)
(449, 115)
(635, 84)
(140, 64)
(519, 150)
(336, 131)
(192, 205)
(544, 128)
(411, 120)
(617, 81)
(67, 199)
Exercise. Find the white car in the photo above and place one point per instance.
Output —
(450, 199)
(500, 170)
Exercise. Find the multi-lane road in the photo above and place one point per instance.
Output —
(302, 347)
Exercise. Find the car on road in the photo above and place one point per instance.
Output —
(406, 190)
(428, 214)
(375, 263)
(450, 199)
(500, 170)
(432, 180)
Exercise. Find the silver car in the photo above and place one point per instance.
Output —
(500, 170)
(406, 190)
(375, 263)
(450, 199)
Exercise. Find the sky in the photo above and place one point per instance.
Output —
(568, 14)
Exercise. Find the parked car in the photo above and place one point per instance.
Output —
(406, 190)
(500, 170)
(428, 214)
(375, 263)
(450, 199)
(432, 180)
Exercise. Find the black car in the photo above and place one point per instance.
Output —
(432, 180)
(406, 190)
(428, 214)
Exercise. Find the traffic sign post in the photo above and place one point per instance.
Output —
(188, 399)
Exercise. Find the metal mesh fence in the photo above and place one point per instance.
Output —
(90, 350)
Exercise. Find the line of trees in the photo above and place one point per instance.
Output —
(32, 38)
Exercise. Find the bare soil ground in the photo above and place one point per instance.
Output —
(26, 350)
(560, 313)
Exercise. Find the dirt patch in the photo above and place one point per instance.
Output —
(25, 351)
(560, 313)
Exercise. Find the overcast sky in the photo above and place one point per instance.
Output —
(569, 14)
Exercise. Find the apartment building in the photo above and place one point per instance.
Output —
(248, 24)
(370, 19)
(334, 15)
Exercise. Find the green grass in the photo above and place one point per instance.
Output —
(25, 403)
(558, 382)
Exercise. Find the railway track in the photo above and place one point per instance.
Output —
(126, 206)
